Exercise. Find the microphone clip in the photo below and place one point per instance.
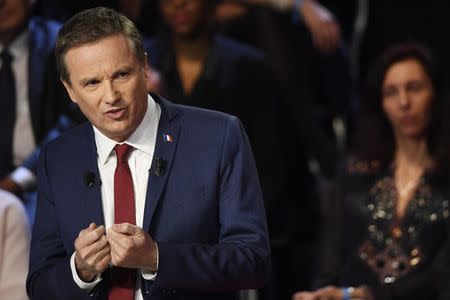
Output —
(160, 166)
(89, 179)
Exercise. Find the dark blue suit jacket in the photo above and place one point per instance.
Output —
(42, 42)
(50, 109)
(205, 212)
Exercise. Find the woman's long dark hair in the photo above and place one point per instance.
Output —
(375, 137)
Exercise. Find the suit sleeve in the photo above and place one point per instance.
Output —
(241, 257)
(50, 276)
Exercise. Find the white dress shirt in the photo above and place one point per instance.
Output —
(143, 139)
(23, 137)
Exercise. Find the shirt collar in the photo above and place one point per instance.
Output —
(141, 139)
(19, 46)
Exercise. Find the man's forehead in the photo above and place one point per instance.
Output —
(109, 52)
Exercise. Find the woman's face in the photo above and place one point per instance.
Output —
(185, 17)
(407, 96)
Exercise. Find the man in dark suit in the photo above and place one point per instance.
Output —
(150, 200)
(30, 89)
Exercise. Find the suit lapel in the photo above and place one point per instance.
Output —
(166, 143)
(91, 193)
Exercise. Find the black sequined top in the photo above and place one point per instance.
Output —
(365, 243)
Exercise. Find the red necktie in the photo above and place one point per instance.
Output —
(123, 279)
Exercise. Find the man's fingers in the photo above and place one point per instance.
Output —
(119, 240)
(104, 262)
(113, 237)
(85, 231)
(92, 233)
(92, 258)
(101, 254)
(118, 254)
(126, 228)
(87, 251)
(89, 236)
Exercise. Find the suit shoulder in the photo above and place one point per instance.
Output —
(203, 119)
(192, 113)
(71, 138)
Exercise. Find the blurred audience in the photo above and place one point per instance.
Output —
(315, 90)
(33, 97)
(198, 67)
(387, 234)
(142, 12)
(307, 46)
(14, 247)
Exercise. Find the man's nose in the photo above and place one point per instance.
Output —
(111, 93)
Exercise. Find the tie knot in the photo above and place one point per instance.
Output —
(122, 152)
(6, 56)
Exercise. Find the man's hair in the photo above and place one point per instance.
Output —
(90, 26)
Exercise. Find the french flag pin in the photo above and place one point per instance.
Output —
(167, 138)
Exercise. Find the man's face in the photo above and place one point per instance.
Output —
(108, 83)
(13, 14)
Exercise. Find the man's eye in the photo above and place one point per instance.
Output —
(123, 75)
(92, 82)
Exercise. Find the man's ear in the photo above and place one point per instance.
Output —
(147, 67)
(69, 90)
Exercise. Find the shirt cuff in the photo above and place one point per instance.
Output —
(24, 178)
(87, 286)
(149, 275)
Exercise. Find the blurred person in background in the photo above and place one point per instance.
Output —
(305, 44)
(14, 247)
(387, 233)
(33, 99)
(201, 68)
(142, 12)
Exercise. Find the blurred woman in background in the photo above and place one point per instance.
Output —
(387, 235)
